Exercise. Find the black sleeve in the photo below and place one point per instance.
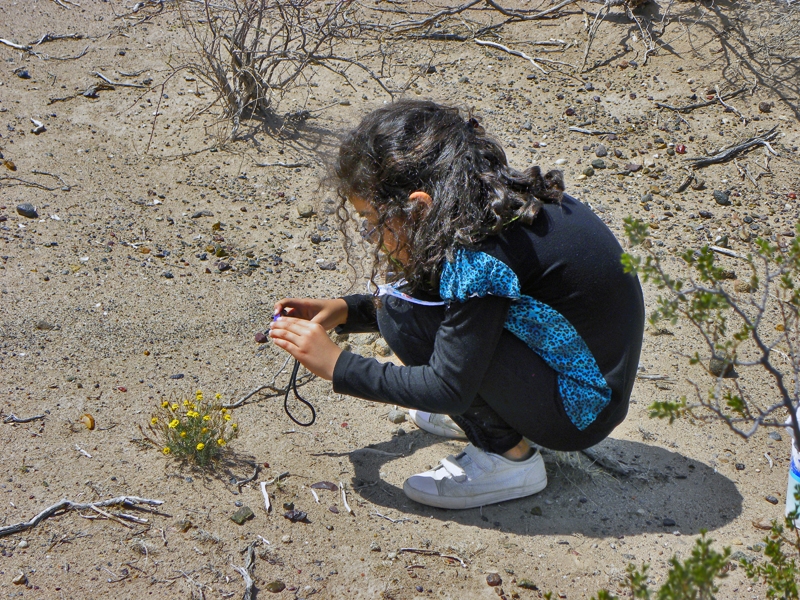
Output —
(450, 381)
(361, 315)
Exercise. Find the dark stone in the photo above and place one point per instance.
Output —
(202, 213)
(667, 522)
(771, 499)
(719, 367)
(242, 515)
(295, 515)
(176, 376)
(276, 586)
(740, 466)
(168, 275)
(599, 163)
(536, 511)
(261, 337)
(27, 210)
(775, 436)
(494, 579)
(527, 584)
(327, 266)
(722, 198)
(223, 266)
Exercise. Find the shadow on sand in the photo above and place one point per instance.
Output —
(667, 492)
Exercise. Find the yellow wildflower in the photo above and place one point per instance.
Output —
(204, 430)
(174, 423)
(174, 407)
(223, 410)
(154, 420)
(164, 404)
(206, 417)
(227, 417)
(166, 450)
(183, 434)
(186, 403)
(200, 446)
(217, 396)
(234, 426)
(220, 442)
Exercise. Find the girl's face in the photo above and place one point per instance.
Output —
(394, 239)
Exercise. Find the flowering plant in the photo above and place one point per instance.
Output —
(197, 430)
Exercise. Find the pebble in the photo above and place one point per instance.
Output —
(740, 466)
(382, 348)
(588, 171)
(494, 579)
(27, 210)
(168, 275)
(286, 539)
(45, 326)
(633, 167)
(600, 151)
(397, 416)
(305, 210)
(276, 586)
(243, 514)
(561, 161)
(20, 579)
(599, 163)
(176, 376)
(374, 547)
(764, 107)
(667, 522)
(722, 198)
(719, 367)
(775, 436)
(527, 584)
(223, 266)
(771, 499)
(202, 213)
(22, 544)
(536, 511)
(391, 555)
(327, 265)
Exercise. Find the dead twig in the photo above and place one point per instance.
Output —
(25, 183)
(240, 482)
(11, 44)
(52, 37)
(609, 463)
(12, 418)
(512, 52)
(734, 151)
(391, 520)
(691, 107)
(727, 252)
(284, 165)
(247, 571)
(119, 83)
(591, 131)
(433, 553)
(64, 506)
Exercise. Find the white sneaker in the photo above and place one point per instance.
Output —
(437, 424)
(476, 478)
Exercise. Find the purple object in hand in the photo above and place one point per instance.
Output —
(261, 338)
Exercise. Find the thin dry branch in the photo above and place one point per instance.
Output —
(513, 52)
(247, 572)
(734, 151)
(67, 505)
(691, 107)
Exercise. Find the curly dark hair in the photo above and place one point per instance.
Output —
(415, 145)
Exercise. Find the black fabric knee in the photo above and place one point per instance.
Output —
(518, 397)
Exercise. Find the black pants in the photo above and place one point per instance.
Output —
(518, 397)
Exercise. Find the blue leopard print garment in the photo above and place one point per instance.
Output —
(582, 386)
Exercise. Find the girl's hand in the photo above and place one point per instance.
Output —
(307, 342)
(328, 313)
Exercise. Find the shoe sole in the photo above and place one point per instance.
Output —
(436, 429)
(462, 502)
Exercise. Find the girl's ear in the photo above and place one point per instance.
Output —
(422, 197)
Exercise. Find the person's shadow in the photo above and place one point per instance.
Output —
(664, 492)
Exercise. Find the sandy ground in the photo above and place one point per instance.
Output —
(106, 301)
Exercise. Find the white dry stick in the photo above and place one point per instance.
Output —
(263, 485)
(68, 505)
(727, 252)
(313, 493)
(769, 459)
(82, 451)
(13, 45)
(344, 498)
(510, 51)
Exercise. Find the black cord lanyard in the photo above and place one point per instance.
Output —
(292, 386)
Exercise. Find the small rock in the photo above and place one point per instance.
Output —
(22, 544)
(276, 586)
(176, 376)
(27, 210)
(295, 515)
(740, 467)
(20, 579)
(561, 161)
(286, 539)
(202, 213)
(536, 511)
(242, 515)
(719, 367)
(763, 524)
(397, 416)
(261, 338)
(599, 163)
(764, 107)
(382, 348)
(45, 326)
(391, 555)
(722, 198)
(527, 126)
(223, 266)
(771, 499)
(775, 436)
(305, 210)
(494, 579)
(588, 171)
(667, 522)
(374, 547)
(527, 584)
(168, 275)
(22, 73)
(600, 151)
(327, 265)
(633, 167)
(588, 86)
